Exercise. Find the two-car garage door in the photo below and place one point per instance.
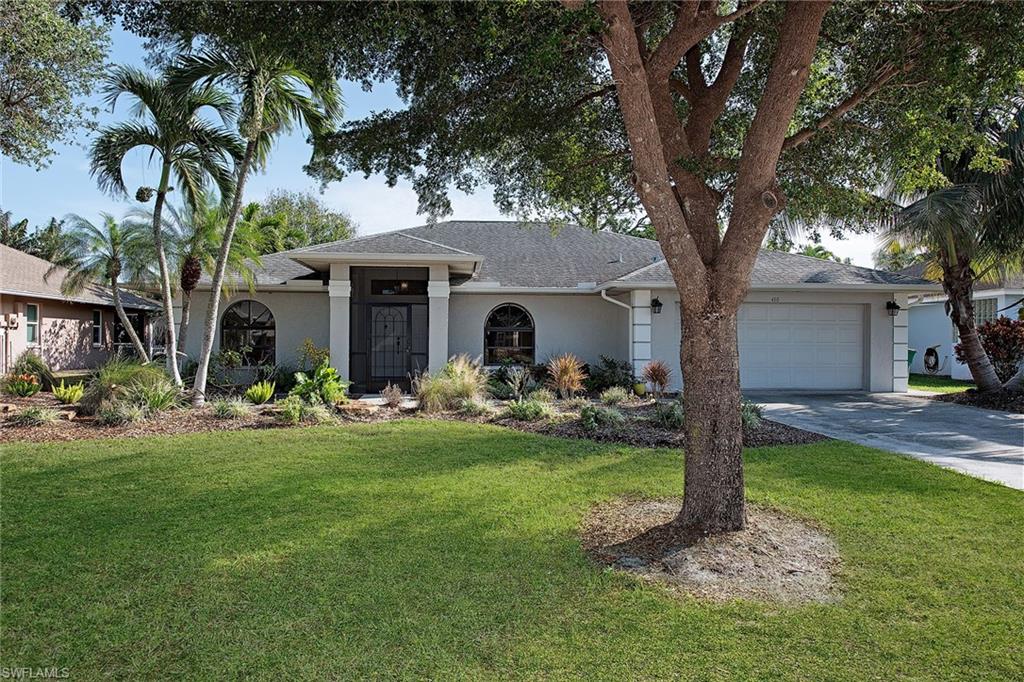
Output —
(802, 346)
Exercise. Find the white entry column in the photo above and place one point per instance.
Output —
(339, 288)
(640, 353)
(438, 292)
(900, 339)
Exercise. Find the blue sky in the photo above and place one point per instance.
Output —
(66, 187)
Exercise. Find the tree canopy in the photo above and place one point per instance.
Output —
(47, 64)
(304, 219)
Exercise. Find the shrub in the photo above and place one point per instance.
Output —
(156, 397)
(114, 378)
(35, 416)
(119, 413)
(22, 385)
(577, 403)
(475, 407)
(610, 372)
(751, 414)
(669, 416)
(468, 379)
(567, 375)
(294, 410)
(29, 362)
(461, 379)
(614, 395)
(433, 391)
(231, 408)
(392, 395)
(68, 395)
(312, 355)
(324, 385)
(519, 381)
(260, 392)
(527, 410)
(542, 395)
(1003, 341)
(658, 374)
(593, 417)
(498, 389)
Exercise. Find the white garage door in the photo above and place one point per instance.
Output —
(809, 346)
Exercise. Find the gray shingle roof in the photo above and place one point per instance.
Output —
(24, 274)
(1011, 282)
(523, 254)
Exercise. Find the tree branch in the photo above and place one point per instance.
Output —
(688, 31)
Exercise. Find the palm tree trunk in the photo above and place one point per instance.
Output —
(958, 282)
(126, 323)
(1016, 382)
(170, 346)
(210, 326)
(186, 311)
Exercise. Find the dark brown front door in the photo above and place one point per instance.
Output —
(390, 344)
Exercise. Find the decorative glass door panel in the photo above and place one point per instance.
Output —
(390, 345)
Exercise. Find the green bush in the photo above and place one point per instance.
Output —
(577, 403)
(22, 385)
(527, 410)
(35, 416)
(669, 416)
(594, 417)
(475, 407)
(323, 386)
(498, 390)
(614, 395)
(260, 392)
(294, 410)
(542, 395)
(231, 408)
(69, 395)
(157, 397)
(609, 372)
(119, 413)
(751, 414)
(29, 362)
(113, 379)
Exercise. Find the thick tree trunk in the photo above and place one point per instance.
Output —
(713, 494)
(210, 326)
(186, 314)
(1016, 382)
(115, 291)
(165, 276)
(958, 283)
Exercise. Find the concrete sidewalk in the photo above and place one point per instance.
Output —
(987, 444)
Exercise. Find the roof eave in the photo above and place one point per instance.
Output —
(867, 286)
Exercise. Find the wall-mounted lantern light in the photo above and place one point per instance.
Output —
(893, 308)
(656, 306)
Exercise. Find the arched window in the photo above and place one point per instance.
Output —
(248, 328)
(509, 335)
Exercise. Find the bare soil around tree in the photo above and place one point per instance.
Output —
(777, 558)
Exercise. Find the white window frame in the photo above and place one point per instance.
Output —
(97, 328)
(33, 325)
(986, 315)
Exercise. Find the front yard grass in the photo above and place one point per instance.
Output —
(422, 549)
(926, 382)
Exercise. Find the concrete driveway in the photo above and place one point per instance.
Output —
(985, 443)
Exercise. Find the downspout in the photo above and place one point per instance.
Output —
(604, 295)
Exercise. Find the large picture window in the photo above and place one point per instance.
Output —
(248, 328)
(509, 335)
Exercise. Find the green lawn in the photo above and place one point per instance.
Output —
(420, 549)
(926, 382)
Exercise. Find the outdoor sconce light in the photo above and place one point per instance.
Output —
(893, 308)
(656, 306)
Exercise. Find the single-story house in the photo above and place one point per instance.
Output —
(930, 326)
(68, 332)
(391, 304)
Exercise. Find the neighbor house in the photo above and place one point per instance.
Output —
(392, 304)
(930, 326)
(68, 332)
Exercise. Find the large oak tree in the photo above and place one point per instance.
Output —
(713, 118)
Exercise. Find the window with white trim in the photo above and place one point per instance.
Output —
(32, 324)
(984, 311)
(509, 335)
(97, 328)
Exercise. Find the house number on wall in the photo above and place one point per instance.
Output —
(776, 299)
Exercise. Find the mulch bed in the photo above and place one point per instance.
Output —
(776, 558)
(1007, 402)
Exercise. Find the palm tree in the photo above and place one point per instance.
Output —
(820, 252)
(190, 148)
(275, 97)
(193, 239)
(104, 254)
(972, 230)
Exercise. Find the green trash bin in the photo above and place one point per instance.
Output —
(910, 356)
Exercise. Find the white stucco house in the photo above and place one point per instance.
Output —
(930, 326)
(391, 304)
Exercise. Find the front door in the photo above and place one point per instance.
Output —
(390, 345)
